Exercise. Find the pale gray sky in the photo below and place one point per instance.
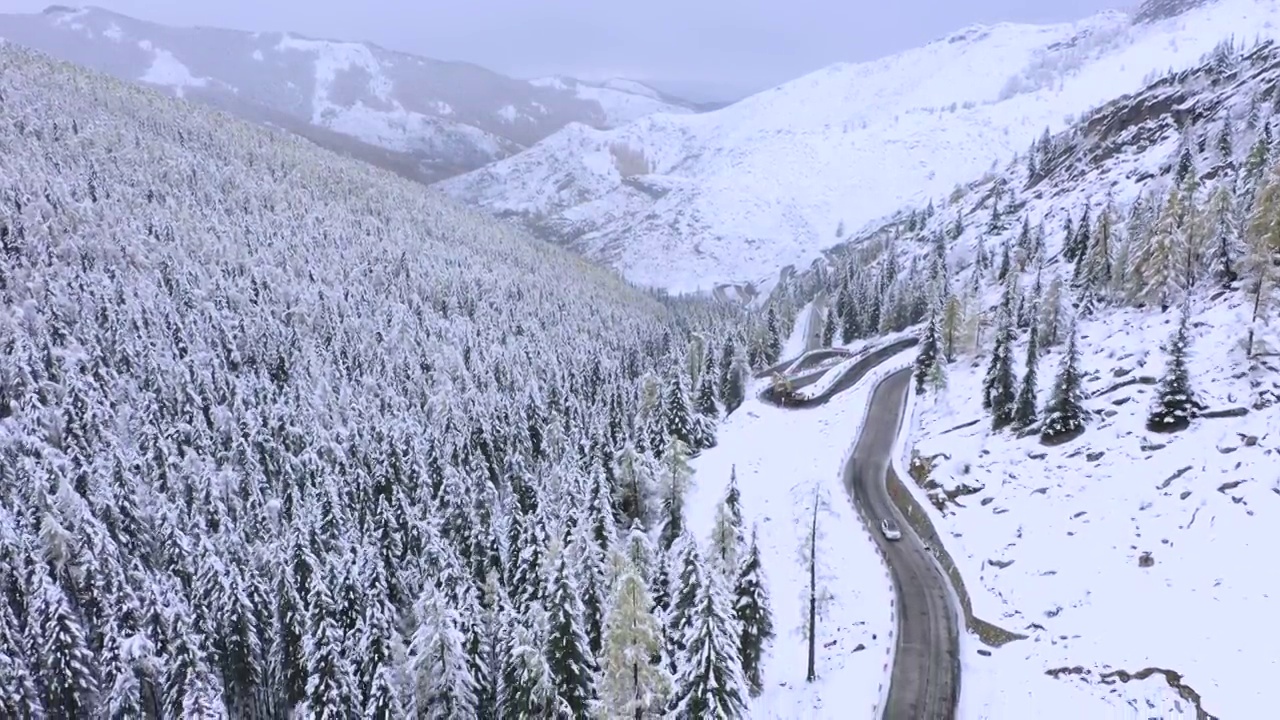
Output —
(733, 45)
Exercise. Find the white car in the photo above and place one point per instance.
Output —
(890, 529)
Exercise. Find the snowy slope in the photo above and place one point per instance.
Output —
(684, 202)
(447, 117)
(1048, 540)
(778, 455)
(621, 100)
(1051, 543)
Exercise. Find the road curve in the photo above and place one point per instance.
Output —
(852, 376)
(925, 682)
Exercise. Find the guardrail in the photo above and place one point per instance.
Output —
(916, 515)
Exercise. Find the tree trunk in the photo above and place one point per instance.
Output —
(812, 674)
(1257, 304)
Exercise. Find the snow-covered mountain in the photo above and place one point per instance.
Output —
(686, 202)
(1125, 555)
(426, 118)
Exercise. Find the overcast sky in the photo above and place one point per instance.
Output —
(733, 45)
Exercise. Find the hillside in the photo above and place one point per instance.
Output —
(426, 118)
(685, 202)
(284, 435)
(1126, 553)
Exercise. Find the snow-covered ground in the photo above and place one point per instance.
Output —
(779, 455)
(735, 194)
(1050, 545)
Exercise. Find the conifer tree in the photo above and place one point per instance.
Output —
(728, 538)
(706, 402)
(1065, 415)
(755, 617)
(1224, 245)
(1175, 404)
(772, 337)
(675, 484)
(444, 686)
(67, 666)
(527, 689)
(687, 582)
(1159, 262)
(677, 418)
(953, 320)
(1186, 165)
(928, 355)
(1024, 413)
(829, 328)
(1263, 245)
(710, 683)
(1002, 397)
(634, 485)
(633, 680)
(569, 657)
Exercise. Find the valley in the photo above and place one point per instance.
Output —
(334, 377)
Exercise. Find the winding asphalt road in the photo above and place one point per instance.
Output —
(925, 682)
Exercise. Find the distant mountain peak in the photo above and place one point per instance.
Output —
(423, 117)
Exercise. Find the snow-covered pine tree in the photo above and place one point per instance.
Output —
(930, 351)
(772, 337)
(1003, 395)
(685, 584)
(634, 487)
(527, 688)
(1175, 403)
(1053, 313)
(677, 416)
(1099, 256)
(1159, 262)
(1186, 165)
(953, 321)
(1065, 416)
(68, 672)
(1259, 267)
(710, 682)
(755, 616)
(728, 536)
(634, 682)
(443, 685)
(706, 401)
(675, 476)
(1026, 405)
(573, 666)
(1224, 241)
(829, 322)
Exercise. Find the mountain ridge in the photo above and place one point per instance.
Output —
(730, 196)
(435, 117)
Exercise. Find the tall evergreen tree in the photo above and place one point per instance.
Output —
(675, 484)
(569, 657)
(677, 417)
(1024, 412)
(728, 537)
(772, 337)
(930, 349)
(710, 683)
(1175, 404)
(1065, 415)
(634, 681)
(444, 685)
(755, 617)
